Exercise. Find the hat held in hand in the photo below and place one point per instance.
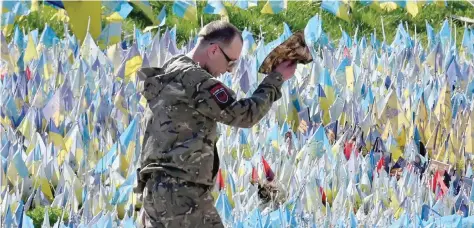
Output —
(294, 48)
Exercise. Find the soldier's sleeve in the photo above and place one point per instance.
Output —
(148, 84)
(213, 99)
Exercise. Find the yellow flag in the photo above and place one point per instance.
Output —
(132, 65)
(26, 128)
(412, 8)
(34, 5)
(350, 78)
(79, 13)
(45, 188)
(114, 17)
(422, 112)
(389, 6)
(443, 107)
(402, 137)
(267, 9)
(393, 112)
(470, 137)
(30, 52)
(387, 130)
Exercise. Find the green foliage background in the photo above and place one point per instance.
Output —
(37, 215)
(366, 18)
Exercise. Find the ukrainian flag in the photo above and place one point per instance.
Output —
(337, 8)
(17, 169)
(111, 35)
(122, 11)
(186, 9)
(249, 42)
(144, 5)
(274, 7)
(7, 21)
(27, 126)
(161, 18)
(131, 64)
(244, 4)
(215, 7)
(326, 95)
(55, 136)
(294, 107)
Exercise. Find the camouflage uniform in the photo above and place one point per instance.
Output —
(185, 104)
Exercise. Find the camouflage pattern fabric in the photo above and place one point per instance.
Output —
(172, 202)
(294, 48)
(185, 104)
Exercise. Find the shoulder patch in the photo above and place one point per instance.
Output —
(220, 94)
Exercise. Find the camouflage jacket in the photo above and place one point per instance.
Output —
(185, 103)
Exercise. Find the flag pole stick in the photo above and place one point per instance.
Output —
(406, 25)
(383, 29)
(415, 35)
(455, 35)
(134, 33)
(88, 25)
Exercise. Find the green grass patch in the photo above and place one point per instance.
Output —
(365, 18)
(37, 214)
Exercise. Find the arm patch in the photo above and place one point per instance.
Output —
(221, 96)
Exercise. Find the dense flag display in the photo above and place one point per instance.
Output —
(368, 133)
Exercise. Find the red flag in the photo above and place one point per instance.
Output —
(347, 53)
(323, 195)
(438, 179)
(220, 180)
(254, 176)
(443, 186)
(380, 164)
(28, 73)
(435, 181)
(2, 76)
(348, 146)
(268, 170)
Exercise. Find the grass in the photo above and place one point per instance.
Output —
(365, 18)
(37, 215)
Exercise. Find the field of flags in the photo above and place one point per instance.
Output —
(71, 130)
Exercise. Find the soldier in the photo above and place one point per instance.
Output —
(179, 161)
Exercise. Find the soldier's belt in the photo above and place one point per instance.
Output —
(160, 175)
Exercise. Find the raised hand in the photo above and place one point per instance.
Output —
(286, 69)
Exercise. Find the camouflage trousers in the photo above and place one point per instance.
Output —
(171, 202)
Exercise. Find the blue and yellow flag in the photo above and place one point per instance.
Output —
(215, 7)
(185, 9)
(274, 7)
(337, 8)
(144, 5)
(161, 18)
(121, 12)
(111, 35)
(7, 20)
(244, 4)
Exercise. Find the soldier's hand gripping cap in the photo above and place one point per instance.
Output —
(213, 99)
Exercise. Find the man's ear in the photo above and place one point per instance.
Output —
(211, 50)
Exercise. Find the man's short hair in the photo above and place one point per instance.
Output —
(220, 31)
